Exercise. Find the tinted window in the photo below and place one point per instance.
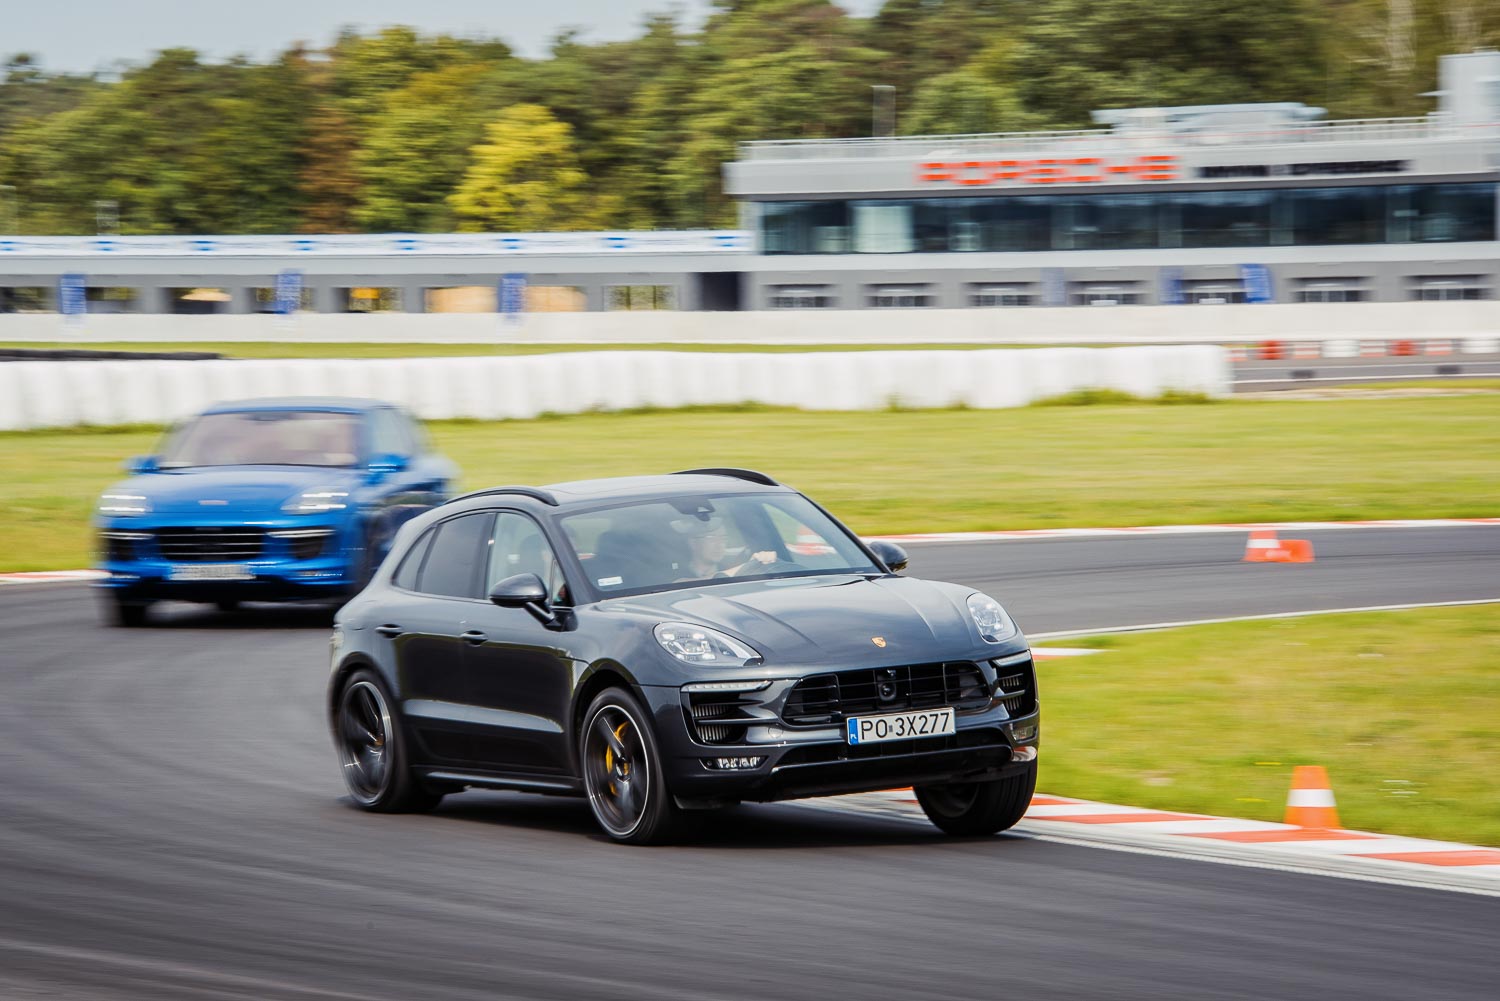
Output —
(264, 437)
(460, 549)
(520, 547)
(406, 574)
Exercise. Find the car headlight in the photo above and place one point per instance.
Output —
(993, 622)
(701, 645)
(317, 501)
(123, 504)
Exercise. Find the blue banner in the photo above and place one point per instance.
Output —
(1171, 286)
(511, 295)
(72, 294)
(1257, 279)
(288, 292)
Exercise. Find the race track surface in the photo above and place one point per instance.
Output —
(171, 826)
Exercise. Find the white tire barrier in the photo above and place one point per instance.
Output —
(70, 393)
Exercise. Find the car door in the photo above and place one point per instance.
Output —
(520, 673)
(424, 620)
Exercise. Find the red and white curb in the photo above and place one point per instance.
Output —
(49, 576)
(1351, 854)
(1092, 533)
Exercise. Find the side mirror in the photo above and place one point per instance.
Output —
(524, 590)
(141, 464)
(892, 555)
(384, 465)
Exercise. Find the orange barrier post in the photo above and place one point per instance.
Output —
(1403, 349)
(1310, 801)
(1271, 351)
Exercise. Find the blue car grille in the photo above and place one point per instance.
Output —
(210, 544)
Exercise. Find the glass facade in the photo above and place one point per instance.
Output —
(1400, 213)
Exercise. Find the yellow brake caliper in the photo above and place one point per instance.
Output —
(609, 759)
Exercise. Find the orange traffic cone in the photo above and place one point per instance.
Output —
(1310, 801)
(1261, 544)
(1264, 547)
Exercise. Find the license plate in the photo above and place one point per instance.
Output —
(212, 571)
(900, 726)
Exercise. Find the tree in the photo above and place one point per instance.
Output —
(525, 177)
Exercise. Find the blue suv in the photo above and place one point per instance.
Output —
(265, 500)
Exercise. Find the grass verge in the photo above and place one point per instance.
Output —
(923, 471)
(1402, 708)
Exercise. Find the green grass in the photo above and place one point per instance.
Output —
(1453, 384)
(1403, 709)
(296, 349)
(923, 471)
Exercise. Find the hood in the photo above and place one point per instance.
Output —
(830, 620)
(247, 491)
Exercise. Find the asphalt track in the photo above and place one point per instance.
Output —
(171, 826)
(1310, 373)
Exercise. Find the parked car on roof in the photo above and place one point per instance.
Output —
(265, 500)
(665, 644)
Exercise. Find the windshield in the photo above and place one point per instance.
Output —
(264, 438)
(685, 541)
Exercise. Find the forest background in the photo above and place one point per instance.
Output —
(396, 131)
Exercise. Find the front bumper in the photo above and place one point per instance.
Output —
(288, 566)
(777, 761)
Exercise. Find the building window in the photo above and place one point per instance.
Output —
(198, 301)
(113, 299)
(1001, 295)
(26, 299)
(1213, 291)
(1332, 290)
(1116, 294)
(1437, 288)
(265, 299)
(1245, 217)
(800, 297)
(899, 297)
(642, 297)
(369, 299)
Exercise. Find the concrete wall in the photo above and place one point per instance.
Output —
(1018, 325)
(104, 393)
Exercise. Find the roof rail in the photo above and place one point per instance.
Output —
(535, 493)
(739, 474)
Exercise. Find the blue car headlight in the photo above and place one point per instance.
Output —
(116, 505)
(317, 501)
(995, 626)
(701, 645)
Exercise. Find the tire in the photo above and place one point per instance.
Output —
(372, 750)
(622, 772)
(125, 614)
(978, 809)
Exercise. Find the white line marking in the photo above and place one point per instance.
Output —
(1146, 530)
(1154, 626)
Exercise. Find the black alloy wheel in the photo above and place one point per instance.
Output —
(372, 750)
(622, 772)
(972, 809)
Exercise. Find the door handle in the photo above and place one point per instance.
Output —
(389, 630)
(474, 637)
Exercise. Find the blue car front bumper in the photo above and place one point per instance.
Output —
(288, 560)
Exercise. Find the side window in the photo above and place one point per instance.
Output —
(520, 547)
(406, 573)
(455, 557)
(415, 434)
(388, 434)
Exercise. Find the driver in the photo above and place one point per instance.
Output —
(707, 545)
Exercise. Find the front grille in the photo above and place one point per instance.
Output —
(210, 544)
(1017, 687)
(829, 698)
(718, 717)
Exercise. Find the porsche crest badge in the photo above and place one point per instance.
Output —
(878, 641)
